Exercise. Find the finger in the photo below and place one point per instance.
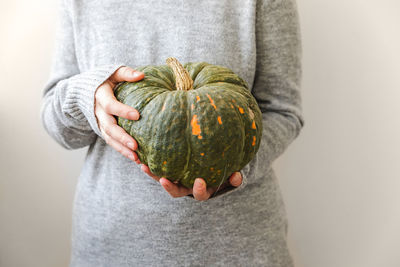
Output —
(173, 189)
(236, 179)
(126, 74)
(106, 124)
(110, 127)
(106, 99)
(146, 169)
(126, 152)
(120, 135)
(200, 191)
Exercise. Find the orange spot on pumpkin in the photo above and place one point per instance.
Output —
(253, 126)
(200, 137)
(202, 154)
(254, 141)
(219, 120)
(212, 102)
(241, 110)
(198, 98)
(192, 106)
(195, 126)
(164, 162)
(211, 169)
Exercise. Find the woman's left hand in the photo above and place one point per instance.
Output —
(200, 191)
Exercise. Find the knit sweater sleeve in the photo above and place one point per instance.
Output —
(278, 76)
(67, 110)
(277, 82)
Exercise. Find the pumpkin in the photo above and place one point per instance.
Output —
(196, 120)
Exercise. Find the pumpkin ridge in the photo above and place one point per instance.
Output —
(221, 74)
(161, 83)
(194, 69)
(124, 89)
(247, 153)
(231, 87)
(185, 173)
(205, 110)
(154, 76)
(243, 153)
(144, 91)
(157, 73)
(238, 115)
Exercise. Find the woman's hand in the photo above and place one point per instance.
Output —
(106, 105)
(200, 191)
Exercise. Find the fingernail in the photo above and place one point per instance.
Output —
(163, 184)
(130, 145)
(136, 74)
(133, 115)
(131, 157)
(200, 183)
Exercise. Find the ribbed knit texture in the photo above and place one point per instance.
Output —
(121, 216)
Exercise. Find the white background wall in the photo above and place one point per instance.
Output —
(340, 178)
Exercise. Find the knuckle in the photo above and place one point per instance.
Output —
(110, 83)
(126, 113)
(127, 140)
(107, 129)
(124, 139)
(106, 138)
(127, 71)
(111, 79)
(118, 70)
(107, 106)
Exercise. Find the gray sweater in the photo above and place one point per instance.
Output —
(121, 216)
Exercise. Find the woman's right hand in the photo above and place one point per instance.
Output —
(106, 105)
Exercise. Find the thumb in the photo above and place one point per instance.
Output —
(126, 74)
(236, 179)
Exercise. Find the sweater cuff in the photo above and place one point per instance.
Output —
(80, 101)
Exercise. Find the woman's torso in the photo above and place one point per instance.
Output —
(122, 217)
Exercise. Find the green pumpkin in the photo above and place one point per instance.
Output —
(196, 120)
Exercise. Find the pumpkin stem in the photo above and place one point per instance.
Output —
(183, 81)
